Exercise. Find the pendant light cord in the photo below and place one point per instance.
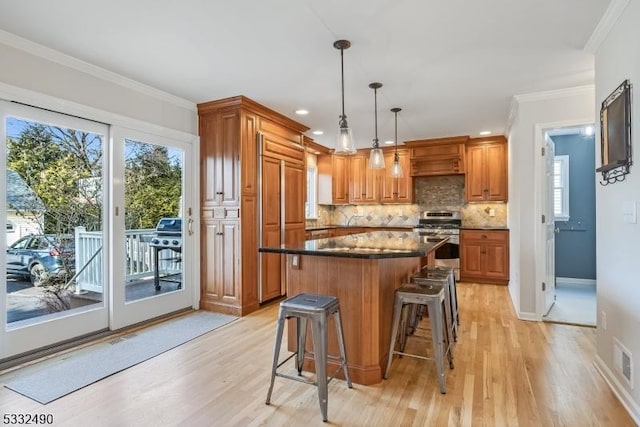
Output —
(343, 117)
(375, 115)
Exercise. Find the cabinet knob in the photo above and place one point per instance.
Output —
(219, 192)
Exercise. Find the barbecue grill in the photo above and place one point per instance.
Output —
(168, 235)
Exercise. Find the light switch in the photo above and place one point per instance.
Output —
(629, 211)
(492, 212)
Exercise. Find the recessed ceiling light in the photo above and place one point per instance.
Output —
(485, 132)
(318, 132)
(302, 112)
(389, 142)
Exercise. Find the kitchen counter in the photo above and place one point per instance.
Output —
(362, 271)
(372, 245)
(483, 228)
(373, 227)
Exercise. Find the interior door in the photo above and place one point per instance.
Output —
(549, 289)
(52, 187)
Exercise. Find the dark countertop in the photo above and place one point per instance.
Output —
(373, 227)
(372, 245)
(484, 228)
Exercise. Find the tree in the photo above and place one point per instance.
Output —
(153, 185)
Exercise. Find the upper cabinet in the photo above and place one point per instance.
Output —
(333, 179)
(443, 156)
(396, 190)
(486, 179)
(219, 155)
(377, 185)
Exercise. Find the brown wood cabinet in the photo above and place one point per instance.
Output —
(396, 190)
(230, 195)
(442, 156)
(484, 256)
(333, 179)
(486, 179)
(376, 185)
(221, 272)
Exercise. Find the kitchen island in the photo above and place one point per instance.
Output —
(363, 271)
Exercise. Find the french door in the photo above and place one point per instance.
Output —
(81, 202)
(153, 181)
(52, 200)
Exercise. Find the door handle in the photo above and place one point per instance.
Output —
(556, 230)
(190, 226)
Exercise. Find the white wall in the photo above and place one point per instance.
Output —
(618, 243)
(569, 105)
(68, 79)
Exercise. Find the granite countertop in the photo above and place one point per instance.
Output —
(373, 227)
(372, 245)
(483, 228)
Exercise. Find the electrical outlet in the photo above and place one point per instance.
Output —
(604, 320)
(492, 212)
(400, 213)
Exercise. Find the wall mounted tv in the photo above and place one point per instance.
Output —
(615, 135)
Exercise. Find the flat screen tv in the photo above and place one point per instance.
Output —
(615, 128)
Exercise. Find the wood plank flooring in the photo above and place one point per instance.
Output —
(507, 373)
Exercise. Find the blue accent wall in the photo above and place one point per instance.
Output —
(575, 244)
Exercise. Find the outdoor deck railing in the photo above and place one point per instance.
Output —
(139, 262)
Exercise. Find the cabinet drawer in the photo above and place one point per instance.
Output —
(497, 236)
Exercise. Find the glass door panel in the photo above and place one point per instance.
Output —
(53, 205)
(152, 243)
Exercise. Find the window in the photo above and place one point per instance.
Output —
(561, 188)
(11, 227)
(311, 205)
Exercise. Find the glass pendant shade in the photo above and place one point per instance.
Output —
(344, 140)
(396, 167)
(376, 159)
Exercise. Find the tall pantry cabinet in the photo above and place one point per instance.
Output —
(233, 133)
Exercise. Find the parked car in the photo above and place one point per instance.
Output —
(34, 256)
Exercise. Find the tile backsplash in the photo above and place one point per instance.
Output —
(431, 193)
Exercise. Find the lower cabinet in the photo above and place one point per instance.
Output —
(484, 256)
(220, 267)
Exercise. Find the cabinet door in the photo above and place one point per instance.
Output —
(249, 153)
(405, 183)
(357, 180)
(388, 184)
(496, 261)
(229, 265)
(471, 258)
(294, 214)
(340, 179)
(496, 172)
(227, 152)
(271, 228)
(475, 181)
(210, 265)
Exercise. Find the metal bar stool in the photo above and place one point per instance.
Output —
(433, 298)
(317, 309)
(441, 274)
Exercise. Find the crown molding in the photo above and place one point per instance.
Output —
(513, 113)
(555, 94)
(41, 51)
(608, 20)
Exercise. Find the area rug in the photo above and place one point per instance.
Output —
(57, 377)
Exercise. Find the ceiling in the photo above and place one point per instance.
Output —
(452, 66)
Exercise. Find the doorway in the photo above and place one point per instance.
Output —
(570, 192)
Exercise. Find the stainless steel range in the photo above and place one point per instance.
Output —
(443, 223)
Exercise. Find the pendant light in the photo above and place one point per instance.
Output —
(396, 167)
(344, 141)
(376, 157)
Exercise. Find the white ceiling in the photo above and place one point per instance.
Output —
(452, 66)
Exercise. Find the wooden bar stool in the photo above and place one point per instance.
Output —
(432, 297)
(317, 309)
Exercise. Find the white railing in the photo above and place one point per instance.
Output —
(139, 260)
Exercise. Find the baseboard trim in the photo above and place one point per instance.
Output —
(528, 316)
(618, 389)
(573, 281)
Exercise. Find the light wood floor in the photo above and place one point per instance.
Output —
(507, 372)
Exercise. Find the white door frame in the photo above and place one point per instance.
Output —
(28, 335)
(124, 313)
(540, 192)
